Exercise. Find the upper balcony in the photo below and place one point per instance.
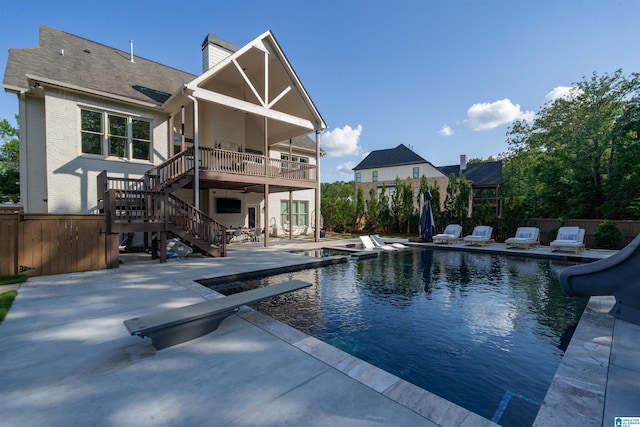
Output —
(221, 169)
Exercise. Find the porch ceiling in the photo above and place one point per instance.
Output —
(258, 80)
(244, 187)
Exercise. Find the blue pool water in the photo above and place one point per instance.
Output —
(483, 331)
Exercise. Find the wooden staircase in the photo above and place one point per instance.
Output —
(147, 205)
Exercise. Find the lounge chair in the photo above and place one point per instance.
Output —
(377, 240)
(525, 238)
(568, 239)
(369, 245)
(451, 234)
(481, 236)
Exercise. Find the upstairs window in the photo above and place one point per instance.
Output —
(374, 176)
(122, 136)
(416, 172)
(91, 132)
(358, 177)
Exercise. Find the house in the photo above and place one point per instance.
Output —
(485, 179)
(103, 130)
(381, 167)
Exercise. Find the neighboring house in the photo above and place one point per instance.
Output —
(85, 108)
(381, 167)
(485, 179)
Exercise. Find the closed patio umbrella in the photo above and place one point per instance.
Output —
(427, 224)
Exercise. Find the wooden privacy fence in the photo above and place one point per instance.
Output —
(42, 244)
(629, 229)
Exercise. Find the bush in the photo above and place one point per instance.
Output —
(608, 236)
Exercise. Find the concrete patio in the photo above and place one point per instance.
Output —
(66, 359)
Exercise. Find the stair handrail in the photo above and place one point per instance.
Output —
(195, 222)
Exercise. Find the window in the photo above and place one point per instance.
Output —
(416, 172)
(374, 176)
(299, 209)
(122, 136)
(117, 136)
(358, 176)
(140, 139)
(91, 131)
(294, 158)
(286, 166)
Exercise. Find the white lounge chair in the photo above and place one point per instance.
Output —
(451, 234)
(369, 245)
(568, 239)
(525, 238)
(377, 240)
(481, 236)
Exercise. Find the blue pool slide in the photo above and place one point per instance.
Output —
(617, 275)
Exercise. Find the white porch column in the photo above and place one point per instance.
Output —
(317, 191)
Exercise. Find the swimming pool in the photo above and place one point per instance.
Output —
(486, 332)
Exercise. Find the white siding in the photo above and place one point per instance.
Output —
(33, 159)
(211, 55)
(403, 172)
(72, 177)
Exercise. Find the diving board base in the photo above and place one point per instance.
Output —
(175, 326)
(178, 334)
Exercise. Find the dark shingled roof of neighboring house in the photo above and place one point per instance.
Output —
(486, 173)
(76, 61)
(401, 155)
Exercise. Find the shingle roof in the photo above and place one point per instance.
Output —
(302, 141)
(486, 173)
(73, 60)
(401, 155)
(82, 63)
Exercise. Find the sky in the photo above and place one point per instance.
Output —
(443, 77)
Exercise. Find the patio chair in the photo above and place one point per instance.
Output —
(369, 245)
(451, 234)
(238, 236)
(525, 238)
(254, 235)
(377, 240)
(568, 239)
(481, 236)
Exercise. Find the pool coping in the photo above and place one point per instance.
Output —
(426, 404)
(577, 391)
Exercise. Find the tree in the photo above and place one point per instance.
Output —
(372, 211)
(579, 151)
(384, 211)
(9, 163)
(336, 200)
(359, 209)
(457, 199)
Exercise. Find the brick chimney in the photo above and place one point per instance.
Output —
(214, 50)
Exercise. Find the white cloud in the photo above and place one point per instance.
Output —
(346, 168)
(562, 92)
(341, 141)
(446, 131)
(490, 115)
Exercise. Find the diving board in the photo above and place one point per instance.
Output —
(171, 327)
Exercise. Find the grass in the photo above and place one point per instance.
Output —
(10, 280)
(6, 299)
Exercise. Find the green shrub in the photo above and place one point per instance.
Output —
(608, 236)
